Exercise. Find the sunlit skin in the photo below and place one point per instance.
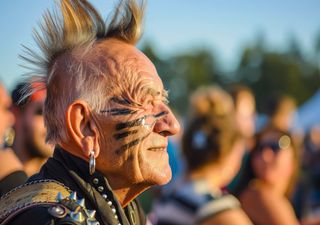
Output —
(218, 174)
(274, 169)
(35, 130)
(130, 136)
(9, 161)
(30, 144)
(245, 114)
(7, 118)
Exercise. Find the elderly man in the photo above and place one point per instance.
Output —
(106, 113)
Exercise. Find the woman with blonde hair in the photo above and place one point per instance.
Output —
(213, 149)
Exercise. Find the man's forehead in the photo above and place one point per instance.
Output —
(125, 54)
(132, 64)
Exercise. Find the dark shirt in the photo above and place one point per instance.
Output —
(73, 172)
(12, 180)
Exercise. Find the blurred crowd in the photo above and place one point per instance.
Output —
(225, 171)
(233, 173)
(23, 146)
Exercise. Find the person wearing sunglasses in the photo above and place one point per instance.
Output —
(265, 185)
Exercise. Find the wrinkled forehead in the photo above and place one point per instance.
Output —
(132, 71)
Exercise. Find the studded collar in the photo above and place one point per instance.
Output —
(95, 189)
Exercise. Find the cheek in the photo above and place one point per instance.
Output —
(286, 163)
(259, 167)
(38, 124)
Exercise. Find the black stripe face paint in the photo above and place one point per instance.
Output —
(161, 114)
(122, 135)
(119, 111)
(133, 123)
(130, 145)
(137, 122)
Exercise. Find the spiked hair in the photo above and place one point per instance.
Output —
(79, 26)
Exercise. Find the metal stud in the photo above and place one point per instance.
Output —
(78, 217)
(73, 196)
(59, 197)
(92, 222)
(116, 217)
(100, 189)
(114, 210)
(90, 213)
(109, 203)
(81, 202)
(95, 180)
(57, 211)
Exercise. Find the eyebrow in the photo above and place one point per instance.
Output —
(154, 92)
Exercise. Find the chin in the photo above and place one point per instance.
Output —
(158, 175)
(164, 177)
(155, 167)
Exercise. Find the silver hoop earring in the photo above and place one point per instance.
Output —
(92, 163)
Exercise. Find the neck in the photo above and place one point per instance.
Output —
(125, 193)
(211, 175)
(33, 165)
(278, 188)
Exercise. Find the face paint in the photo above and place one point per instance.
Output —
(146, 121)
(138, 122)
(130, 145)
(135, 125)
(124, 134)
(119, 112)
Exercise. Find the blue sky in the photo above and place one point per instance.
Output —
(173, 26)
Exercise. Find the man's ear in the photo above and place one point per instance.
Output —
(82, 129)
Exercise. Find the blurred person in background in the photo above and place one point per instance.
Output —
(307, 196)
(213, 150)
(268, 179)
(30, 144)
(280, 111)
(245, 115)
(245, 112)
(11, 169)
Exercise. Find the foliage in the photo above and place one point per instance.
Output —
(265, 72)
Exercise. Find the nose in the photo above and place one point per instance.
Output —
(167, 125)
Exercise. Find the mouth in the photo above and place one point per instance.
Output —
(158, 149)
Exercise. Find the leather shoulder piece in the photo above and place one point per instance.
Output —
(26, 196)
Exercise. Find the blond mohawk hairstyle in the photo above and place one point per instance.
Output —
(77, 25)
(81, 25)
